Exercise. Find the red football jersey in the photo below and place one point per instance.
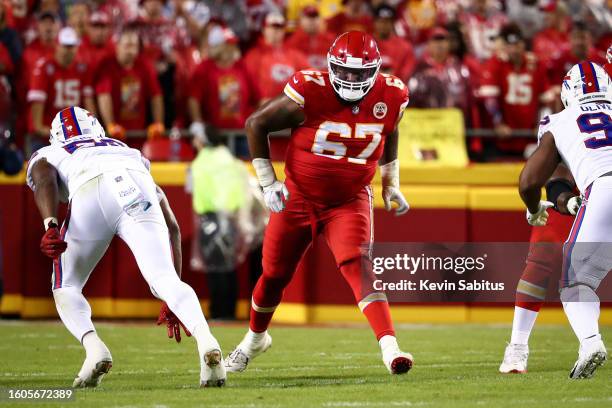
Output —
(567, 60)
(58, 87)
(397, 56)
(314, 47)
(334, 153)
(225, 94)
(95, 54)
(131, 90)
(271, 67)
(520, 90)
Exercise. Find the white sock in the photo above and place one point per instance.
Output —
(74, 311)
(94, 345)
(388, 343)
(583, 317)
(523, 322)
(253, 338)
(204, 338)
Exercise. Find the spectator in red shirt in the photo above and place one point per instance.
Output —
(97, 44)
(220, 92)
(126, 85)
(482, 23)
(397, 54)
(514, 88)
(59, 82)
(311, 38)
(551, 42)
(355, 16)
(580, 49)
(43, 46)
(270, 64)
(78, 17)
(440, 80)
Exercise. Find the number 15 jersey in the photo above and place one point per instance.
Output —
(583, 136)
(333, 154)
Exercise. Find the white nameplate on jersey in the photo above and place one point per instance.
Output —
(126, 191)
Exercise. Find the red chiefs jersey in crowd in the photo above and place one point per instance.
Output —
(567, 60)
(341, 23)
(95, 54)
(481, 32)
(131, 90)
(58, 87)
(334, 153)
(34, 52)
(397, 56)
(314, 47)
(225, 94)
(550, 44)
(271, 67)
(520, 90)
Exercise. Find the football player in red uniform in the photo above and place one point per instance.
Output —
(544, 261)
(344, 123)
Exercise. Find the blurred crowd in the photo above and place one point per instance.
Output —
(145, 67)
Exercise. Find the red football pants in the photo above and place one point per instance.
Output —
(347, 229)
(545, 259)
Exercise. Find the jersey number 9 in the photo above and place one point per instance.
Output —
(596, 122)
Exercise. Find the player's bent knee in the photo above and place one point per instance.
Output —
(578, 292)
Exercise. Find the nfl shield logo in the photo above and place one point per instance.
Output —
(380, 110)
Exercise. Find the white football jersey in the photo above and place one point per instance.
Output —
(78, 160)
(583, 136)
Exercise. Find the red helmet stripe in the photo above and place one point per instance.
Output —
(589, 78)
(70, 125)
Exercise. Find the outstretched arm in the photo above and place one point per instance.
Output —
(537, 171)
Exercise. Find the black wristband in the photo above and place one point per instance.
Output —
(554, 188)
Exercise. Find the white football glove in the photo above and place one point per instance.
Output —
(391, 191)
(275, 196)
(540, 218)
(573, 205)
(392, 194)
(275, 192)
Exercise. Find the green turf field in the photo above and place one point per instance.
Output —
(455, 366)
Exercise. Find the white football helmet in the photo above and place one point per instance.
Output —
(586, 82)
(75, 122)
